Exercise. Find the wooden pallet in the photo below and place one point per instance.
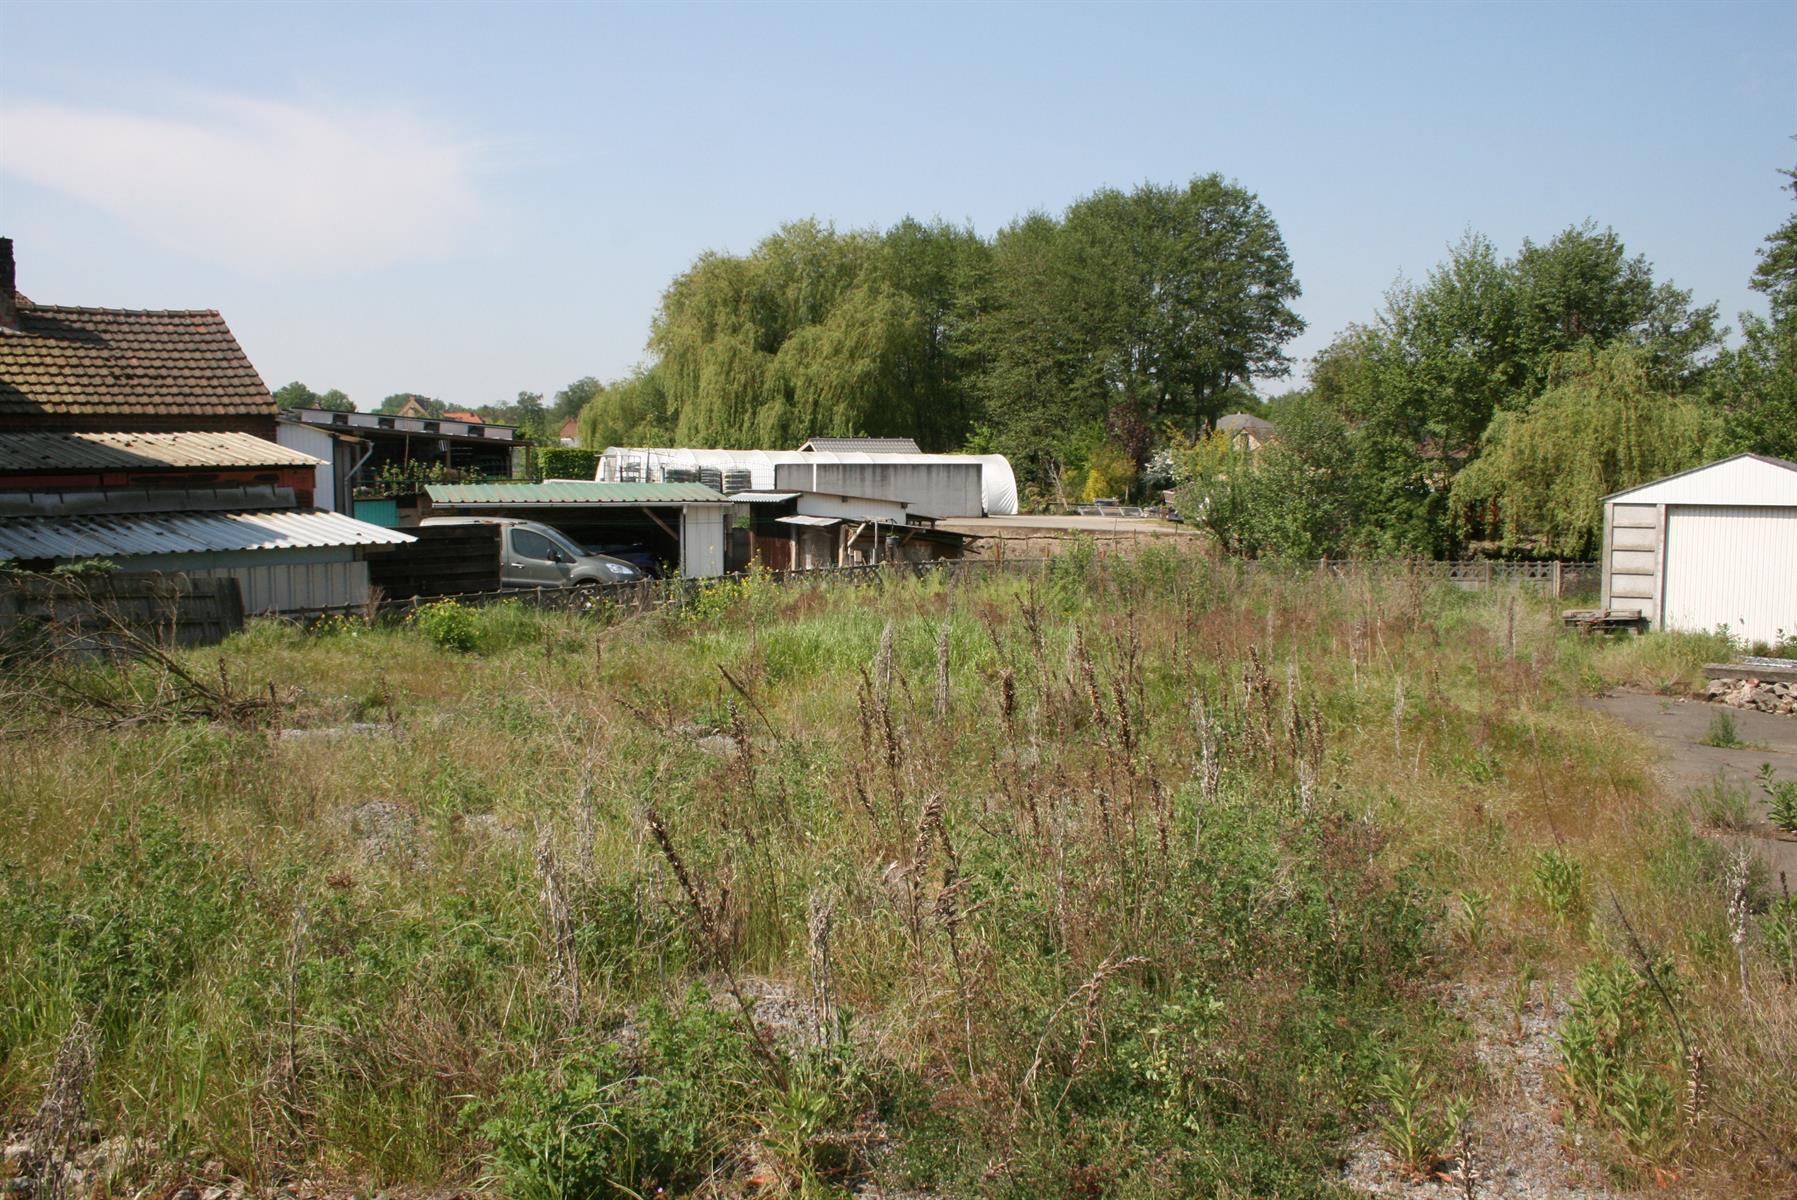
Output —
(1604, 619)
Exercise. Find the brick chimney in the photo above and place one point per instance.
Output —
(9, 298)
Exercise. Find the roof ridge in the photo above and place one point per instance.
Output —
(95, 309)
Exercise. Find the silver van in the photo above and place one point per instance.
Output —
(535, 555)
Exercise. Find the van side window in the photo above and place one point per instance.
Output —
(526, 544)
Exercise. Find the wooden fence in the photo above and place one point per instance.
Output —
(99, 615)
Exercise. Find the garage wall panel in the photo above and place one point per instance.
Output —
(1734, 567)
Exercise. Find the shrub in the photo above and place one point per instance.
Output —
(598, 1126)
(448, 623)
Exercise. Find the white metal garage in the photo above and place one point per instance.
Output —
(1712, 547)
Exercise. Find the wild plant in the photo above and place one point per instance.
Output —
(1781, 798)
(1721, 805)
(1722, 732)
(1558, 880)
(1610, 1056)
(1521, 993)
(1472, 918)
(1418, 1130)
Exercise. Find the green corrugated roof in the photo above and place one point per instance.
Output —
(508, 494)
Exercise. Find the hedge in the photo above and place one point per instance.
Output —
(565, 462)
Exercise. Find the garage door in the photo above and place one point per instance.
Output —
(1732, 566)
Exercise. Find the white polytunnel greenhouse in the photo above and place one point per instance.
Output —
(934, 485)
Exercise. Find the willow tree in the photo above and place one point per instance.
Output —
(1603, 424)
(627, 412)
(818, 332)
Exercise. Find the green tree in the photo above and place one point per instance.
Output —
(571, 399)
(1136, 311)
(1295, 498)
(1422, 383)
(818, 332)
(1606, 422)
(1757, 383)
(628, 412)
(298, 395)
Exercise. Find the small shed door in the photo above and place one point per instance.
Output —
(1732, 566)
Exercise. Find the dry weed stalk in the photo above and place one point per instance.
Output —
(883, 665)
(1737, 914)
(1087, 995)
(708, 918)
(929, 822)
(1397, 719)
(174, 693)
(290, 1068)
(823, 974)
(56, 1126)
(950, 914)
(942, 670)
(559, 916)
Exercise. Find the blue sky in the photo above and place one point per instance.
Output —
(468, 200)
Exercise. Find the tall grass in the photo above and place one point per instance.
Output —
(1130, 879)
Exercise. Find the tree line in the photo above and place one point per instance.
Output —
(1492, 406)
(1488, 406)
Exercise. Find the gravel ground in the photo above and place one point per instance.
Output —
(1520, 1151)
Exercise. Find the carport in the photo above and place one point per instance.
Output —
(681, 524)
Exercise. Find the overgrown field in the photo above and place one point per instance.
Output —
(1156, 880)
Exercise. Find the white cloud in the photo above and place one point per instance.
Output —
(261, 186)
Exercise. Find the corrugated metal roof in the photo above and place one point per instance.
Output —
(142, 451)
(763, 497)
(186, 533)
(876, 445)
(803, 520)
(509, 495)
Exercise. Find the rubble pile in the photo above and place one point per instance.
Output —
(1762, 694)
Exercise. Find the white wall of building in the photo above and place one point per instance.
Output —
(320, 445)
(702, 540)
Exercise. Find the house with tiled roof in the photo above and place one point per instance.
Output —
(147, 438)
(123, 370)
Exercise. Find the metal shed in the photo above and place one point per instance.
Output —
(1712, 547)
(285, 560)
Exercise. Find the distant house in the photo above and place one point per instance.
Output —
(472, 418)
(864, 445)
(147, 438)
(570, 433)
(411, 408)
(1246, 432)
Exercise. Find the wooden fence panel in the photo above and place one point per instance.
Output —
(86, 614)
